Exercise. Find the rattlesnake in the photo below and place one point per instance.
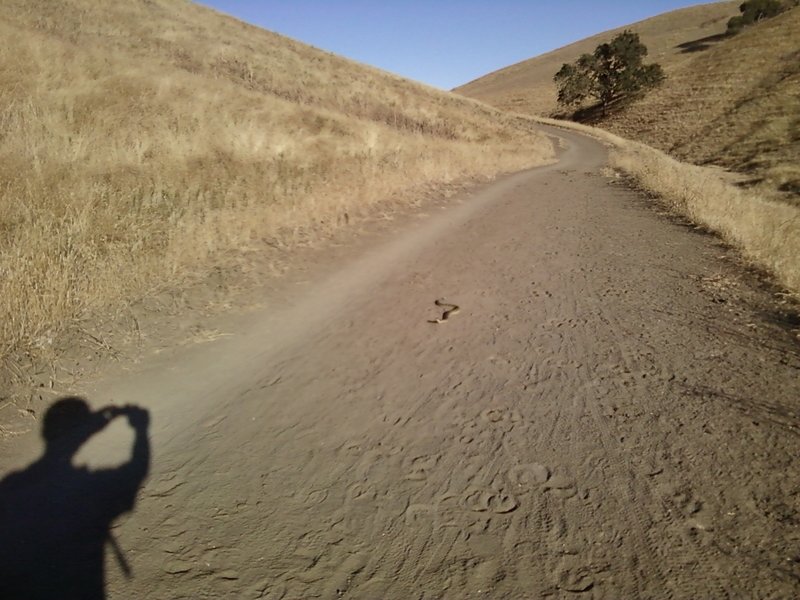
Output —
(453, 308)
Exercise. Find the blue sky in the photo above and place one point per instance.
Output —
(444, 43)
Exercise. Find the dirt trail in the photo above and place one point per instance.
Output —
(609, 415)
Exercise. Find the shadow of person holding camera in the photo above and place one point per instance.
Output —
(55, 518)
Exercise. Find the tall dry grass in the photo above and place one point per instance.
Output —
(145, 142)
(767, 232)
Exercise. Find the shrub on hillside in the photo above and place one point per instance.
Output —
(754, 11)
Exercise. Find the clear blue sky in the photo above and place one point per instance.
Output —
(444, 43)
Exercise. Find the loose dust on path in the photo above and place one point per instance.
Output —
(611, 414)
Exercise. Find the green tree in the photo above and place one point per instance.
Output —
(754, 11)
(576, 81)
(615, 70)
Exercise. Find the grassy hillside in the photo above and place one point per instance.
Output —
(671, 39)
(732, 102)
(147, 141)
(735, 105)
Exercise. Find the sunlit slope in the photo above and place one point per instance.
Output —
(728, 101)
(735, 105)
(671, 38)
(147, 141)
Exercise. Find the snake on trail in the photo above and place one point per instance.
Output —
(453, 308)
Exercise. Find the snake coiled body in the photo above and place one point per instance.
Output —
(450, 309)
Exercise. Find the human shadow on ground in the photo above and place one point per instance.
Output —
(55, 518)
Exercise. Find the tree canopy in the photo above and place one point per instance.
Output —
(754, 11)
(615, 70)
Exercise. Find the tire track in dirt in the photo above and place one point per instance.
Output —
(639, 493)
(577, 574)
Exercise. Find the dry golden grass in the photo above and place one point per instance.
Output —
(733, 102)
(735, 105)
(766, 232)
(527, 87)
(146, 141)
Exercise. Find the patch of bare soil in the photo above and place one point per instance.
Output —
(612, 413)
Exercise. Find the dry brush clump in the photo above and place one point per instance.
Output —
(145, 142)
(767, 232)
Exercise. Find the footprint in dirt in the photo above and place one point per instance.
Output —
(420, 467)
(312, 498)
(561, 486)
(695, 518)
(576, 580)
(361, 492)
(430, 516)
(502, 419)
(474, 432)
(524, 478)
(376, 462)
(485, 500)
(686, 503)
